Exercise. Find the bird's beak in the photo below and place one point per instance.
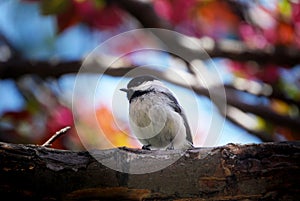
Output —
(124, 89)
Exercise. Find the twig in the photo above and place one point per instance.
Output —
(55, 136)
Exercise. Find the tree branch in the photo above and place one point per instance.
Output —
(278, 55)
(45, 69)
(275, 94)
(231, 49)
(59, 133)
(18, 68)
(264, 112)
(144, 12)
(232, 172)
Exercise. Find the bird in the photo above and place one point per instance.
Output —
(155, 115)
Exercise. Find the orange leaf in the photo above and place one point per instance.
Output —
(114, 134)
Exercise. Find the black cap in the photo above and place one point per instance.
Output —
(139, 80)
(131, 94)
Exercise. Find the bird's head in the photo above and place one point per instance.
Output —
(142, 84)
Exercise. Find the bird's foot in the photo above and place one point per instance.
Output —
(170, 148)
(146, 147)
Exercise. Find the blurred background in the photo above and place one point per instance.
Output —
(254, 45)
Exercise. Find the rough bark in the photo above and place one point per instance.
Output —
(267, 171)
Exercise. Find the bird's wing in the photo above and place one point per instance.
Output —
(177, 108)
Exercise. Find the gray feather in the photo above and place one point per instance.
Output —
(177, 108)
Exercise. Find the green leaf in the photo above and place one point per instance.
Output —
(49, 7)
(99, 4)
(285, 8)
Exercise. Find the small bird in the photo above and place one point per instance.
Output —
(155, 116)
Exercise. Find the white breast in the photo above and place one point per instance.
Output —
(155, 122)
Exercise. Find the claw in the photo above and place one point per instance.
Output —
(170, 148)
(146, 147)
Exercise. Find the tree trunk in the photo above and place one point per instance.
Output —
(267, 171)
